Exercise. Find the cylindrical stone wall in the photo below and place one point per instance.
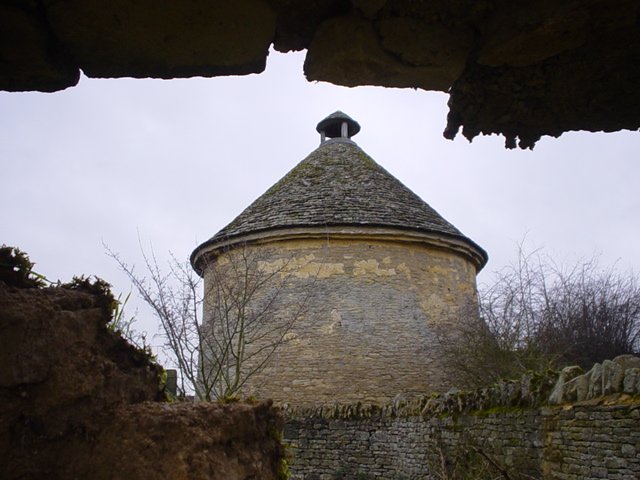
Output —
(368, 329)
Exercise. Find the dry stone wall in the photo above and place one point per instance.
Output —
(409, 447)
(511, 423)
(588, 442)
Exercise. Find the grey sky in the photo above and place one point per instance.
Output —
(177, 160)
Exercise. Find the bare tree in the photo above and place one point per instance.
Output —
(222, 335)
(478, 356)
(250, 305)
(589, 314)
(537, 314)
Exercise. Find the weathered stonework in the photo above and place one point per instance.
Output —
(508, 423)
(406, 447)
(369, 330)
(382, 276)
(619, 375)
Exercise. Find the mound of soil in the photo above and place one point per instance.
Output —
(79, 402)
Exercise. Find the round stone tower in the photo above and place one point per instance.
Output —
(369, 272)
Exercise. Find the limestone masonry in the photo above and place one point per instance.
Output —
(380, 272)
(525, 427)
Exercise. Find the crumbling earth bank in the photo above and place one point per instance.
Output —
(79, 402)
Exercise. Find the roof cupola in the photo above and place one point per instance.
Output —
(337, 125)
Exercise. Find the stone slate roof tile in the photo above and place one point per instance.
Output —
(338, 184)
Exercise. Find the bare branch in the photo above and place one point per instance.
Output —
(539, 314)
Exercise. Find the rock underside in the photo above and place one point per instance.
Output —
(520, 69)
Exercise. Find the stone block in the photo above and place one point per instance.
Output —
(627, 361)
(164, 39)
(31, 59)
(615, 463)
(631, 383)
(628, 450)
(612, 376)
(581, 383)
(595, 381)
(563, 389)
(378, 56)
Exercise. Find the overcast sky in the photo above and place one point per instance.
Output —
(177, 160)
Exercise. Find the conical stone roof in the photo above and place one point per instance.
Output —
(338, 184)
